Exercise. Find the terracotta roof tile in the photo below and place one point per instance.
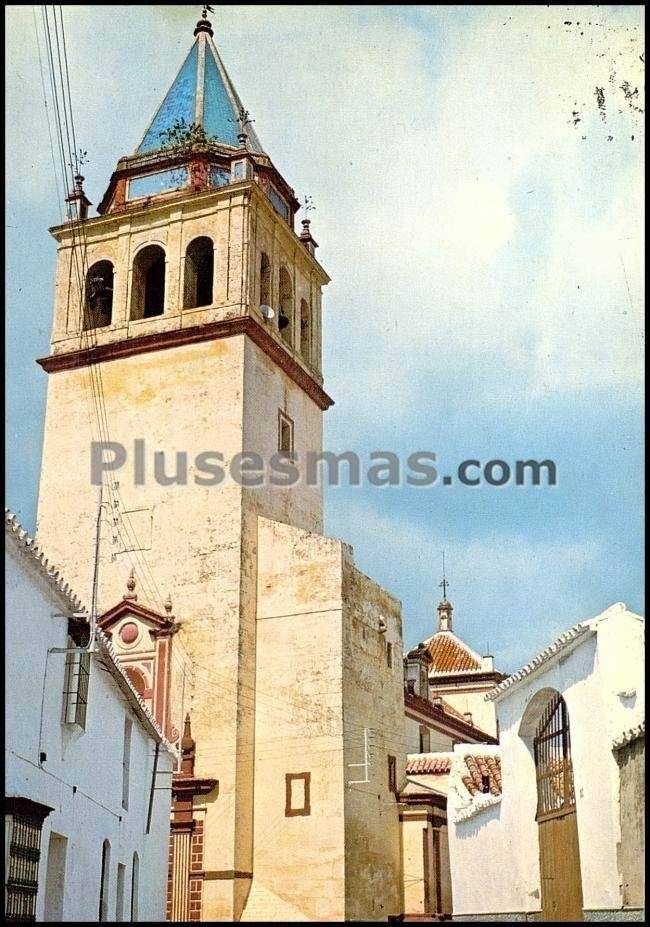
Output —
(427, 764)
(477, 768)
(448, 654)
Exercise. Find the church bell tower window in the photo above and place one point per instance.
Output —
(279, 203)
(305, 331)
(219, 177)
(98, 303)
(199, 273)
(148, 283)
(285, 318)
(265, 280)
(160, 182)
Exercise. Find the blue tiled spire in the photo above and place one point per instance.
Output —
(202, 93)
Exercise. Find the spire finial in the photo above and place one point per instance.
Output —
(444, 584)
(243, 121)
(168, 606)
(130, 586)
(204, 24)
(445, 608)
(188, 749)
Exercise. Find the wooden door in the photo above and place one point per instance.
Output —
(559, 852)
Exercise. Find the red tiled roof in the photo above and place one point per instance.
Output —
(428, 764)
(479, 766)
(449, 655)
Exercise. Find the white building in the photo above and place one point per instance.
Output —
(88, 773)
(554, 828)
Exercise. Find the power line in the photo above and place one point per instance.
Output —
(66, 135)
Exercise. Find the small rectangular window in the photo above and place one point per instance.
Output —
(298, 799)
(279, 204)
(160, 182)
(392, 774)
(425, 739)
(389, 654)
(239, 170)
(219, 176)
(126, 762)
(77, 676)
(285, 434)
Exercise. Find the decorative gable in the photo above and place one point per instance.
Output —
(142, 639)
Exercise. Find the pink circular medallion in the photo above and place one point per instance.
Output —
(128, 633)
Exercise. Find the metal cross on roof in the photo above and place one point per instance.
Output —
(444, 584)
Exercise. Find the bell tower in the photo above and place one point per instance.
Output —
(187, 327)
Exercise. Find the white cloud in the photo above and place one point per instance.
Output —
(484, 254)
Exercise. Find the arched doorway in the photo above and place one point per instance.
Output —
(559, 852)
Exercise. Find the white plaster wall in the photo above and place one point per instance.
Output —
(504, 839)
(438, 742)
(473, 701)
(82, 775)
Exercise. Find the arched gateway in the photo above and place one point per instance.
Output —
(559, 853)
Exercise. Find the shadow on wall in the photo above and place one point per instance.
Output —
(473, 826)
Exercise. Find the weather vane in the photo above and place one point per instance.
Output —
(309, 203)
(206, 9)
(243, 120)
(444, 584)
(79, 158)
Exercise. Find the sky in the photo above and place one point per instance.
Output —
(477, 176)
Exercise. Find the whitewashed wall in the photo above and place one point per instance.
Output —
(82, 775)
(601, 679)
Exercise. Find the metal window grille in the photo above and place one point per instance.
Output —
(75, 696)
(22, 875)
(552, 746)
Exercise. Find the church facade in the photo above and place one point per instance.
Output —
(187, 318)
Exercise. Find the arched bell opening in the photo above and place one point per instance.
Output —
(98, 296)
(148, 283)
(285, 315)
(199, 273)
